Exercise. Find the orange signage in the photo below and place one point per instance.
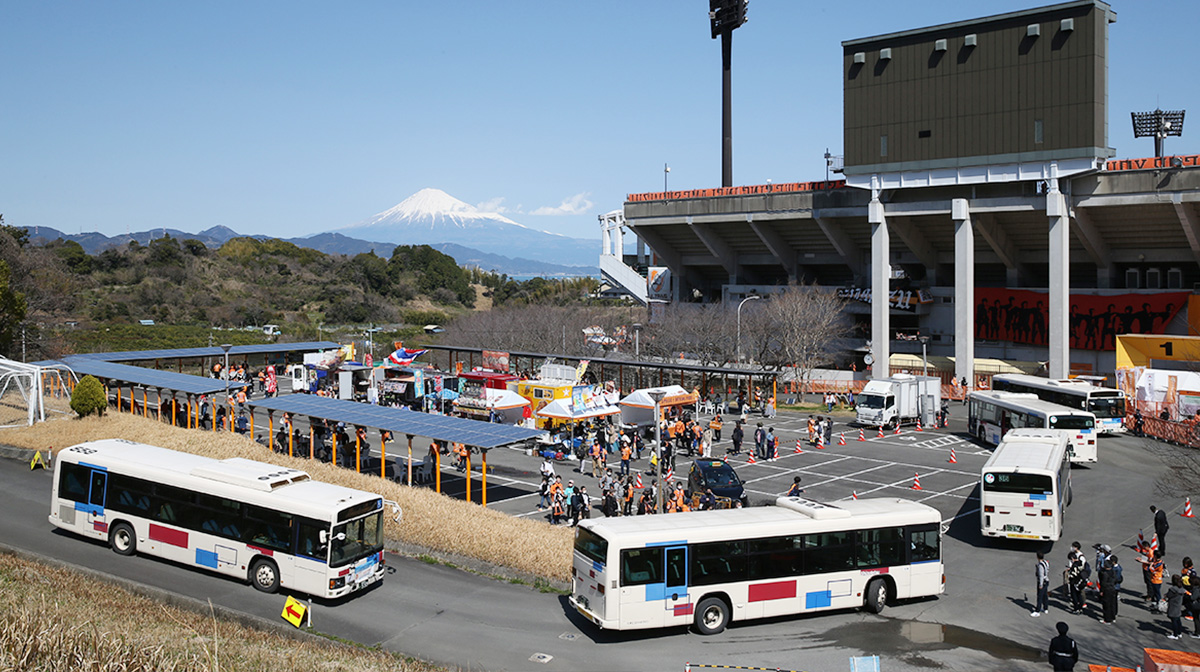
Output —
(737, 191)
(1190, 161)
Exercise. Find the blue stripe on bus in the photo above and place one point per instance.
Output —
(667, 543)
(206, 558)
(89, 508)
(656, 591)
(1038, 497)
(93, 466)
(924, 562)
(817, 599)
(599, 567)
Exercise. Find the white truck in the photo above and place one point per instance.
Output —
(899, 400)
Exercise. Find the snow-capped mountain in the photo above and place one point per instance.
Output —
(431, 217)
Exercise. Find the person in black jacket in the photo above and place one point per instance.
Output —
(1160, 528)
(1063, 653)
(1107, 576)
(737, 436)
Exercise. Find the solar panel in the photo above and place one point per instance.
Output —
(399, 421)
(184, 353)
(136, 375)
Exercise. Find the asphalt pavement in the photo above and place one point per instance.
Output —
(982, 622)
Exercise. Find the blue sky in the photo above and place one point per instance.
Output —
(293, 118)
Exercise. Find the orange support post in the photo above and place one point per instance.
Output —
(484, 485)
(252, 425)
(118, 399)
(333, 453)
(437, 470)
(271, 430)
(310, 442)
(174, 410)
(468, 474)
(357, 453)
(291, 440)
(409, 460)
(145, 403)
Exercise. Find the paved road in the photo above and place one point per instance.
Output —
(982, 622)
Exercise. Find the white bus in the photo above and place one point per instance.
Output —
(1025, 486)
(270, 525)
(709, 568)
(991, 415)
(1107, 404)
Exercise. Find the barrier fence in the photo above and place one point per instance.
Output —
(1163, 422)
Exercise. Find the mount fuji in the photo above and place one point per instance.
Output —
(433, 217)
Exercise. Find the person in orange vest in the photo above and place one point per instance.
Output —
(677, 498)
(715, 426)
(597, 454)
(812, 429)
(556, 509)
(626, 455)
(678, 434)
(629, 491)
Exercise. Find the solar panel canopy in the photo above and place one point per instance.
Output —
(400, 421)
(184, 353)
(136, 375)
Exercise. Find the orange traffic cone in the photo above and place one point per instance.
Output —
(775, 452)
(842, 439)
(919, 424)
(820, 441)
(880, 436)
(916, 482)
(860, 435)
(1187, 509)
(752, 460)
(854, 494)
(798, 450)
(953, 459)
(638, 482)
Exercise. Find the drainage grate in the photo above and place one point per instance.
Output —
(542, 658)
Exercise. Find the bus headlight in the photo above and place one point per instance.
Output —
(334, 584)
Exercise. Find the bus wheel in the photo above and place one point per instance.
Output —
(875, 597)
(264, 575)
(712, 615)
(122, 539)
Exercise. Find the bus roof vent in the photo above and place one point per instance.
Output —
(250, 474)
(812, 508)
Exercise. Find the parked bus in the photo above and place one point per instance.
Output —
(1025, 486)
(270, 525)
(709, 568)
(1107, 404)
(992, 414)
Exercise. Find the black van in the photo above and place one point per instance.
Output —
(716, 474)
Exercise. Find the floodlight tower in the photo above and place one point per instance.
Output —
(1159, 125)
(725, 15)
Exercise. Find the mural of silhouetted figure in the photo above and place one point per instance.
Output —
(982, 321)
(1108, 327)
(1020, 323)
(1125, 322)
(1038, 324)
(1090, 328)
(1008, 314)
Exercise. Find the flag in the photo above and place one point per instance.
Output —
(272, 382)
(404, 356)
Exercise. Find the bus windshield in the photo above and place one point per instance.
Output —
(870, 400)
(1025, 484)
(1071, 422)
(593, 546)
(1107, 407)
(363, 537)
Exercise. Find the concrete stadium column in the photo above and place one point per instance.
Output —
(881, 271)
(964, 290)
(1060, 281)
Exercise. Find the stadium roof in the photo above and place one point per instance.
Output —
(143, 377)
(399, 421)
(212, 351)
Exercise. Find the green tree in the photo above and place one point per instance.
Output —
(88, 397)
(12, 308)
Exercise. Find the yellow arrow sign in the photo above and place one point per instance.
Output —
(293, 611)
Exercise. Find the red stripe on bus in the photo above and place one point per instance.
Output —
(168, 536)
(772, 591)
(264, 551)
(684, 609)
(100, 526)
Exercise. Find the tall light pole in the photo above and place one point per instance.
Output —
(666, 169)
(637, 339)
(739, 324)
(924, 360)
(657, 396)
(724, 16)
(225, 374)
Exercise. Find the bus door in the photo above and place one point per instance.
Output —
(97, 494)
(678, 603)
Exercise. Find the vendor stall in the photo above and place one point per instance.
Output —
(638, 408)
(503, 406)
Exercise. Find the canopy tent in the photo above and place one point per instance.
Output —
(638, 407)
(562, 409)
(508, 406)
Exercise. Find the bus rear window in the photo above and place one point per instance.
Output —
(1071, 422)
(1026, 484)
(591, 545)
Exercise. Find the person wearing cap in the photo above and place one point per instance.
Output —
(1063, 652)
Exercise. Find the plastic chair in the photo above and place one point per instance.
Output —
(864, 664)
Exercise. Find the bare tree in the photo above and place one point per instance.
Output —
(803, 327)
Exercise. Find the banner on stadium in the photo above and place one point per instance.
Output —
(1023, 316)
(658, 283)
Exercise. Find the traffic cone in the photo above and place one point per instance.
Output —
(953, 459)
(670, 474)
(1187, 508)
(1141, 539)
(820, 441)
(798, 450)
(897, 432)
(854, 494)
(860, 435)
(1154, 543)
(775, 452)
(752, 460)
(842, 439)
(638, 482)
(919, 424)
(880, 436)
(916, 482)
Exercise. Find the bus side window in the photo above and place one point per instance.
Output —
(923, 544)
(641, 566)
(308, 540)
(73, 482)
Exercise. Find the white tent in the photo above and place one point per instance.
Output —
(506, 404)
(638, 407)
(562, 409)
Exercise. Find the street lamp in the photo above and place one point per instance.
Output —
(924, 360)
(657, 396)
(225, 373)
(666, 170)
(637, 339)
(739, 324)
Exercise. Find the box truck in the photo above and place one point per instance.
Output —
(899, 400)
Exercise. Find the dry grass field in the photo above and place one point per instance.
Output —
(430, 520)
(45, 627)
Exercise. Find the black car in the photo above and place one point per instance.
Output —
(718, 475)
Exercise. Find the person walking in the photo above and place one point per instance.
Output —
(1076, 580)
(629, 493)
(544, 493)
(1041, 577)
(626, 455)
(1156, 568)
(715, 425)
(1191, 601)
(1175, 595)
(1107, 580)
(760, 437)
(768, 451)
(1160, 528)
(828, 432)
(737, 437)
(1063, 652)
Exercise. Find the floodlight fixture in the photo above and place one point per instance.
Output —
(724, 16)
(1158, 125)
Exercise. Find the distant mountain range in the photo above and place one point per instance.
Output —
(429, 217)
